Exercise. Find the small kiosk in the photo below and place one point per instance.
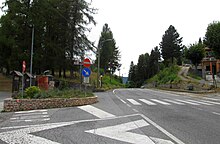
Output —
(16, 81)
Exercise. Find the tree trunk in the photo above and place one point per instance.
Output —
(53, 73)
(71, 72)
(39, 71)
(7, 69)
(60, 72)
(64, 73)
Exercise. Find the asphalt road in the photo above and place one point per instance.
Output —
(121, 117)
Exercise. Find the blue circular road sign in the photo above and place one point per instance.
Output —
(86, 72)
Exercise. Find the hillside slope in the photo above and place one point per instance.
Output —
(177, 77)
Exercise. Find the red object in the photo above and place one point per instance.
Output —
(23, 66)
(86, 63)
(43, 82)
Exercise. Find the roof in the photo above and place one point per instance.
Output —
(29, 75)
(16, 73)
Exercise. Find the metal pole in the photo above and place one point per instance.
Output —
(98, 73)
(32, 49)
(22, 89)
(98, 66)
(80, 72)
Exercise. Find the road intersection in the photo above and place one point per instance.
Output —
(122, 117)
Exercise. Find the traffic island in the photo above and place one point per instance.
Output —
(11, 105)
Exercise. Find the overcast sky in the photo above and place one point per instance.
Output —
(138, 25)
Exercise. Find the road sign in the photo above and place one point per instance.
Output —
(86, 62)
(23, 66)
(86, 80)
(86, 72)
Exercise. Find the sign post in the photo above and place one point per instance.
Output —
(86, 63)
(86, 72)
(22, 83)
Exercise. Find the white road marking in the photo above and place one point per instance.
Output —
(187, 102)
(200, 109)
(30, 117)
(175, 102)
(134, 102)
(96, 112)
(123, 101)
(119, 132)
(31, 111)
(29, 114)
(178, 141)
(161, 102)
(212, 99)
(128, 105)
(135, 110)
(23, 136)
(161, 141)
(199, 102)
(211, 102)
(30, 120)
(216, 113)
(72, 122)
(22, 133)
(147, 102)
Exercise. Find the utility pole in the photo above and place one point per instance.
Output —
(98, 73)
(32, 49)
(99, 46)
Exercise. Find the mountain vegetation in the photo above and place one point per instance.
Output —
(160, 64)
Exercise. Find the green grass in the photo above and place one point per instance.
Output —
(66, 93)
(111, 82)
(168, 75)
(195, 76)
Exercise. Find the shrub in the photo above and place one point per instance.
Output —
(32, 91)
(166, 76)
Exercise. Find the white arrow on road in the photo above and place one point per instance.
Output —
(120, 132)
(23, 136)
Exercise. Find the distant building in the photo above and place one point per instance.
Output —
(210, 65)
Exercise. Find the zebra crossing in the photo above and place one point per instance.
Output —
(30, 116)
(167, 102)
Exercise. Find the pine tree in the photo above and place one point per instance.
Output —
(171, 45)
(60, 32)
(132, 78)
(109, 52)
(154, 61)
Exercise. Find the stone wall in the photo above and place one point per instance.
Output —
(31, 104)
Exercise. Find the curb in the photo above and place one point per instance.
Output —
(11, 105)
(186, 91)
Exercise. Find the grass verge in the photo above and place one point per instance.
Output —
(56, 93)
(166, 76)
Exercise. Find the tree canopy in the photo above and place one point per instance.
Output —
(59, 33)
(171, 44)
(109, 52)
(212, 37)
(195, 53)
(147, 67)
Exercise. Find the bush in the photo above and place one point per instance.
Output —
(31, 92)
(166, 76)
